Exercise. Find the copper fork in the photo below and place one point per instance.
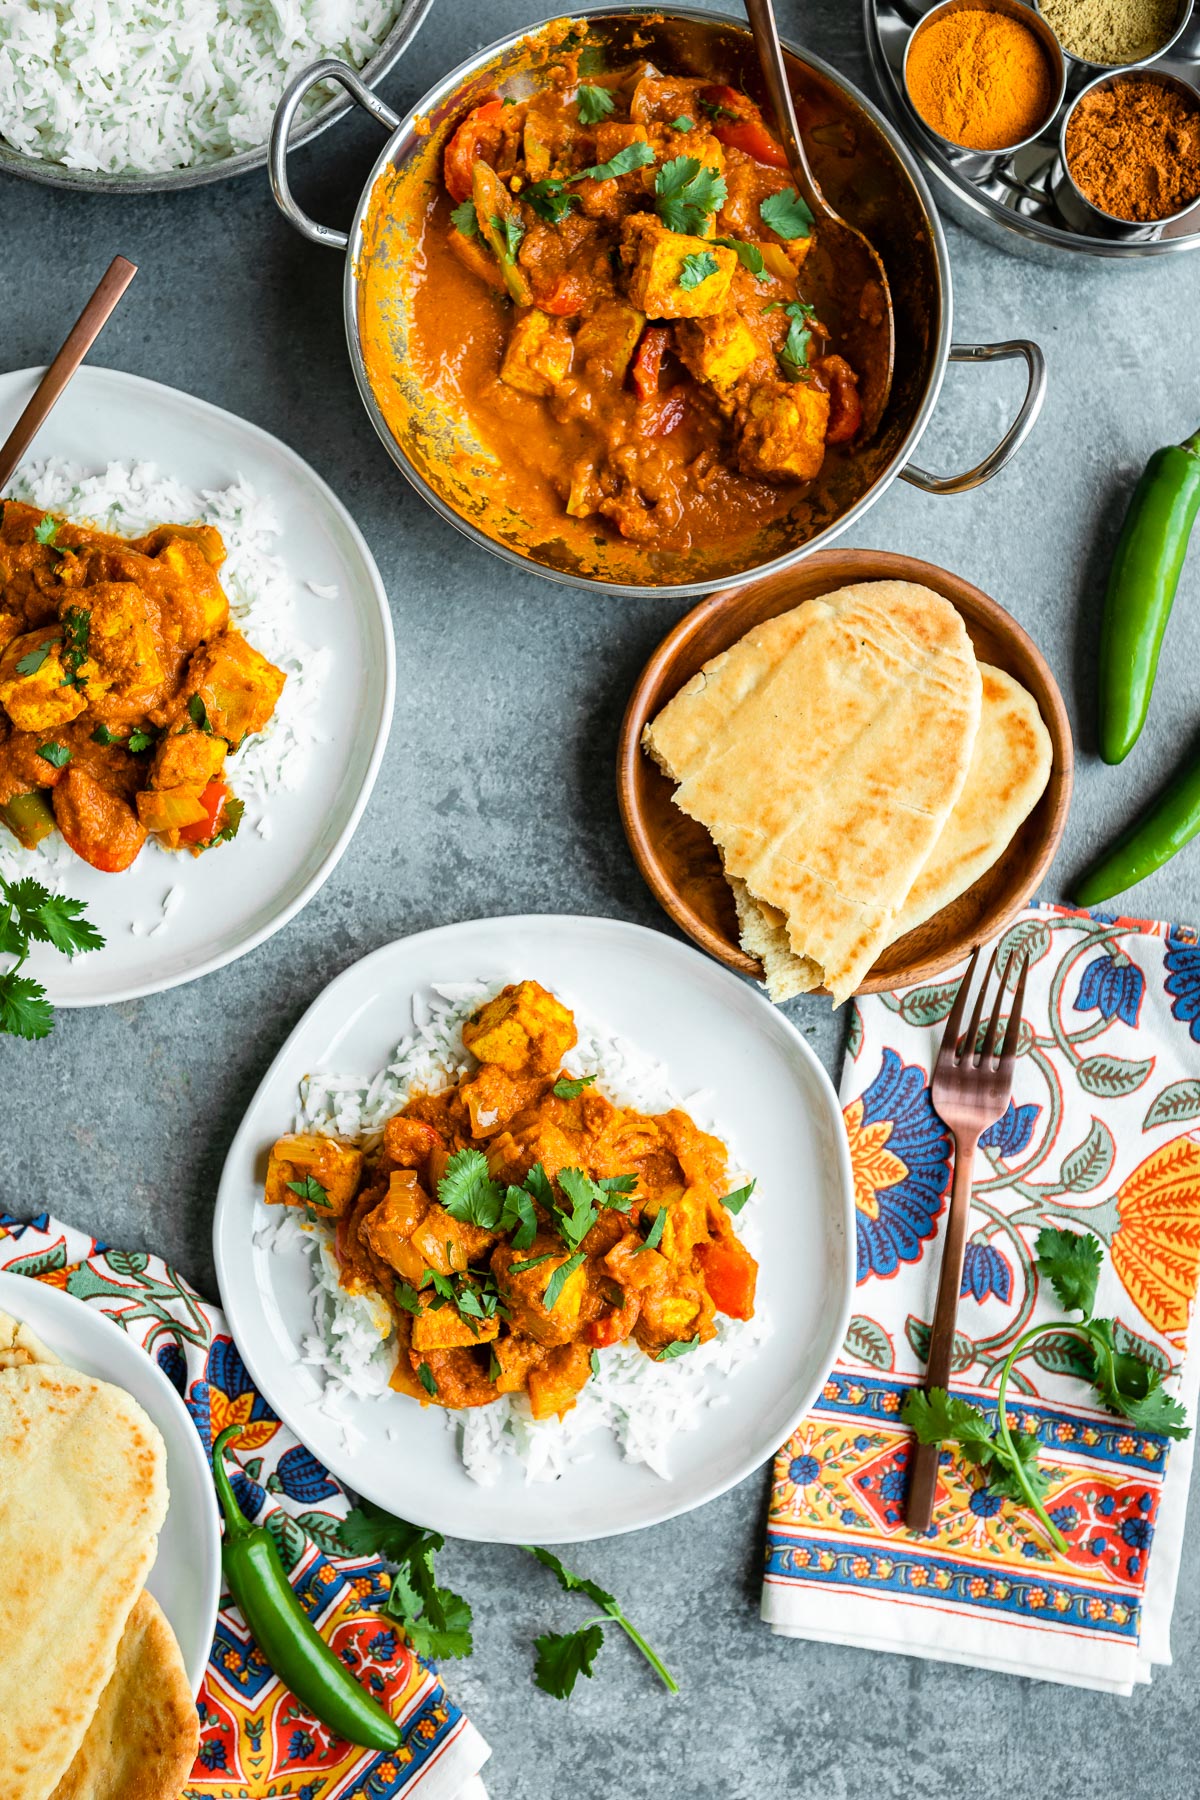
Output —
(972, 1085)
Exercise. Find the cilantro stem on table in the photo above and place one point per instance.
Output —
(563, 1656)
(30, 914)
(1124, 1382)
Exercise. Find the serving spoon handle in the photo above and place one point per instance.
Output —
(82, 336)
(869, 329)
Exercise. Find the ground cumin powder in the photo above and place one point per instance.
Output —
(1133, 148)
(1111, 31)
(980, 79)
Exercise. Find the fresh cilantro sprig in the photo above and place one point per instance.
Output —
(786, 214)
(549, 199)
(437, 1621)
(57, 755)
(1126, 1384)
(46, 531)
(683, 123)
(468, 1192)
(563, 1656)
(465, 219)
(688, 192)
(569, 1087)
(310, 1191)
(794, 355)
(137, 741)
(633, 156)
(30, 914)
(734, 1202)
(594, 103)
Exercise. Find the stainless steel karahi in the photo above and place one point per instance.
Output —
(411, 17)
(898, 214)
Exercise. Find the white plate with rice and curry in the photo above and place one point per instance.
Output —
(539, 1229)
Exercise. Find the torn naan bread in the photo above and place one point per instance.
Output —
(1010, 767)
(83, 1493)
(19, 1346)
(144, 1735)
(823, 753)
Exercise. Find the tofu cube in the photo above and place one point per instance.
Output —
(193, 561)
(121, 637)
(781, 431)
(187, 759)
(720, 350)
(608, 337)
(539, 355)
(656, 259)
(334, 1164)
(37, 699)
(524, 1030)
(448, 1329)
(612, 137)
(238, 686)
(555, 1384)
(446, 1244)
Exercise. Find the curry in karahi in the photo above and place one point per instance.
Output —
(123, 687)
(613, 285)
(517, 1222)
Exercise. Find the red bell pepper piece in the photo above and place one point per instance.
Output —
(730, 1274)
(212, 799)
(464, 147)
(647, 363)
(845, 407)
(747, 132)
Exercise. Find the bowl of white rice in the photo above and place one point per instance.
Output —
(127, 96)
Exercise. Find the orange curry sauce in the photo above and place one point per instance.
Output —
(123, 687)
(515, 1231)
(635, 407)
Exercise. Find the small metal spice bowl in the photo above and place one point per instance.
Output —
(1070, 196)
(1074, 61)
(977, 164)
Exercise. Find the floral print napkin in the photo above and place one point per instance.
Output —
(255, 1738)
(1102, 1134)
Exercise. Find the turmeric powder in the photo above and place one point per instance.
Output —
(980, 79)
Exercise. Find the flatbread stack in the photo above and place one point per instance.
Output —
(857, 769)
(95, 1702)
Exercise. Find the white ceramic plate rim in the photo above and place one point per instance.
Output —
(230, 1224)
(118, 380)
(79, 1334)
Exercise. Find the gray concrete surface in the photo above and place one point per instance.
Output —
(121, 1121)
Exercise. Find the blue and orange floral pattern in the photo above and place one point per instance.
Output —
(1103, 1133)
(255, 1738)
(900, 1154)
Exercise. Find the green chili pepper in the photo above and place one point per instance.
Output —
(1141, 590)
(1160, 833)
(28, 817)
(283, 1631)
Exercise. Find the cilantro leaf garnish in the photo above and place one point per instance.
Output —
(734, 1202)
(57, 755)
(31, 662)
(426, 1379)
(715, 110)
(697, 268)
(566, 1656)
(786, 214)
(749, 255)
(595, 103)
(562, 1656)
(585, 1199)
(1070, 1261)
(468, 1192)
(198, 714)
(232, 814)
(30, 914)
(511, 229)
(594, 1362)
(560, 1278)
(654, 1235)
(407, 1296)
(1128, 1384)
(46, 530)
(520, 1268)
(310, 1191)
(794, 354)
(633, 156)
(140, 740)
(688, 192)
(465, 220)
(683, 123)
(570, 1087)
(537, 1183)
(494, 1369)
(77, 629)
(137, 741)
(549, 199)
(618, 1191)
(670, 1351)
(518, 1217)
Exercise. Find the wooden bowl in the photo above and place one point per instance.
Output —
(676, 855)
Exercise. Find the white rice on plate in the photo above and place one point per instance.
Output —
(144, 86)
(129, 498)
(644, 1404)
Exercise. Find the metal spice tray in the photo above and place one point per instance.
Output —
(1024, 202)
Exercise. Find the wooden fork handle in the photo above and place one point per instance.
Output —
(922, 1482)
